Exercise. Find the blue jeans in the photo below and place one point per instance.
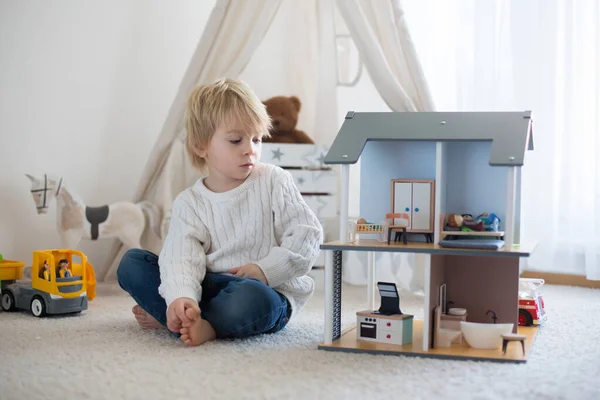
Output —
(235, 307)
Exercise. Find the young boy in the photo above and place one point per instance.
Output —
(240, 241)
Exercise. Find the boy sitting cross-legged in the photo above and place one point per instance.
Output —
(240, 241)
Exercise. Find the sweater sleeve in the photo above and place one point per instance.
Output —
(297, 230)
(182, 260)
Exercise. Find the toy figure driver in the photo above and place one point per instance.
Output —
(45, 271)
(63, 269)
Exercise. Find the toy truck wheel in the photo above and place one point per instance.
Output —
(8, 301)
(38, 307)
(525, 318)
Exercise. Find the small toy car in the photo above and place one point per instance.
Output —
(531, 302)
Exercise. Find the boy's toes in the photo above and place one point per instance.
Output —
(185, 337)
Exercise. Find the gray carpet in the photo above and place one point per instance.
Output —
(102, 354)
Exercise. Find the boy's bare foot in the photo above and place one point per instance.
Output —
(198, 331)
(145, 320)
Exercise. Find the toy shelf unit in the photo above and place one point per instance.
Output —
(446, 164)
(317, 182)
(454, 225)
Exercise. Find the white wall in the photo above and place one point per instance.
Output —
(86, 87)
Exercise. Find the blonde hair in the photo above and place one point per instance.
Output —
(211, 105)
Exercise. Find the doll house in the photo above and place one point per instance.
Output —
(428, 168)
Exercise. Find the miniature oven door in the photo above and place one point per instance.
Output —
(368, 330)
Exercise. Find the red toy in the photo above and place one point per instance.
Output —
(531, 303)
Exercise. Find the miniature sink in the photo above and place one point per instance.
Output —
(484, 336)
(457, 311)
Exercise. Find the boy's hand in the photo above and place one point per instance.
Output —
(249, 271)
(182, 310)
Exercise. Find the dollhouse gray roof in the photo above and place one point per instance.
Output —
(510, 132)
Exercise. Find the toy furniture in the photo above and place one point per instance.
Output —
(444, 335)
(472, 162)
(513, 337)
(388, 324)
(367, 228)
(316, 181)
(416, 198)
(402, 225)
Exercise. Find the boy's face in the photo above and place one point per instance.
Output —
(231, 155)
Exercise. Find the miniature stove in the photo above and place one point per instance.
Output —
(388, 324)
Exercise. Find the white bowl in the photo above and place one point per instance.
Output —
(484, 336)
(457, 311)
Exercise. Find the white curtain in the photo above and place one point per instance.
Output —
(379, 30)
(542, 55)
(232, 34)
(564, 92)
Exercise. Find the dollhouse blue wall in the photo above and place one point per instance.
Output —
(382, 161)
(472, 185)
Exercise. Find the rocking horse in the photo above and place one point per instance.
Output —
(76, 220)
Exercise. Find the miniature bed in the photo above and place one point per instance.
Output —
(452, 153)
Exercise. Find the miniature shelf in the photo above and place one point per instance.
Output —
(474, 233)
(421, 247)
(514, 353)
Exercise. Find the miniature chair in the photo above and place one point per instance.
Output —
(397, 221)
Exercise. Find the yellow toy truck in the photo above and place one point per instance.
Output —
(62, 282)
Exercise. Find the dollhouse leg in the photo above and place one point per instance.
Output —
(371, 280)
(328, 326)
(333, 295)
(337, 294)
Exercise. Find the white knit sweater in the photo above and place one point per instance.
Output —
(264, 221)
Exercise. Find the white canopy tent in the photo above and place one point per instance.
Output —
(281, 48)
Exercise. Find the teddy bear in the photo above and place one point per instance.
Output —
(283, 111)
